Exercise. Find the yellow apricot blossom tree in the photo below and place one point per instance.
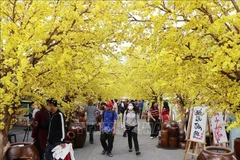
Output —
(55, 49)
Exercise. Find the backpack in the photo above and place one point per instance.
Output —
(104, 114)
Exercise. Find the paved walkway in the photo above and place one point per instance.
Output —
(148, 147)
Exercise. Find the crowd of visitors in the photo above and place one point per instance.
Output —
(49, 126)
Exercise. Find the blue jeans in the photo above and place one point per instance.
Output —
(48, 152)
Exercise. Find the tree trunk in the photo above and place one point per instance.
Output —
(4, 144)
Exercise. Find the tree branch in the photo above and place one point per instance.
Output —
(235, 5)
(230, 76)
(137, 20)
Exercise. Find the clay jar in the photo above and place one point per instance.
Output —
(164, 134)
(80, 132)
(164, 143)
(173, 124)
(70, 138)
(173, 142)
(237, 147)
(216, 153)
(173, 132)
(22, 150)
(166, 124)
(182, 145)
(181, 133)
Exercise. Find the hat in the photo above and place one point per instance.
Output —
(109, 104)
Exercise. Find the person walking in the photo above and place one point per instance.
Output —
(125, 108)
(56, 132)
(115, 105)
(40, 130)
(141, 108)
(91, 119)
(108, 129)
(130, 125)
(166, 106)
(165, 116)
(154, 120)
(34, 110)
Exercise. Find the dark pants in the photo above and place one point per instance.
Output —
(140, 113)
(154, 127)
(48, 152)
(38, 147)
(132, 134)
(91, 129)
(124, 133)
(107, 137)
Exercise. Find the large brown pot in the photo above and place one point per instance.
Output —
(173, 142)
(22, 150)
(164, 143)
(70, 138)
(182, 145)
(237, 148)
(181, 133)
(181, 138)
(166, 125)
(174, 124)
(216, 153)
(173, 132)
(80, 132)
(164, 134)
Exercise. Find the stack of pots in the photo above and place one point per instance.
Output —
(173, 132)
(181, 139)
(169, 134)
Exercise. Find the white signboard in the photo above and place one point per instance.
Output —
(199, 121)
(218, 127)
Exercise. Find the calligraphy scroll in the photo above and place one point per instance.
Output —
(199, 121)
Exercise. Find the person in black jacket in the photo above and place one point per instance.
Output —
(56, 132)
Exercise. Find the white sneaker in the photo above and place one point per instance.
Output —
(151, 137)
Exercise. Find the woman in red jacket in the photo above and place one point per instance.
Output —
(165, 115)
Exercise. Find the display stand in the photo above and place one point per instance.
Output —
(193, 147)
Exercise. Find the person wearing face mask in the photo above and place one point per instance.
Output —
(130, 125)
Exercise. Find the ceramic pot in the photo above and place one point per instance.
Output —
(164, 134)
(237, 148)
(165, 125)
(70, 138)
(181, 138)
(164, 143)
(181, 133)
(22, 150)
(173, 132)
(174, 124)
(80, 132)
(216, 153)
(182, 145)
(173, 142)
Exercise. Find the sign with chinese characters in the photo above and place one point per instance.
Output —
(218, 127)
(199, 121)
